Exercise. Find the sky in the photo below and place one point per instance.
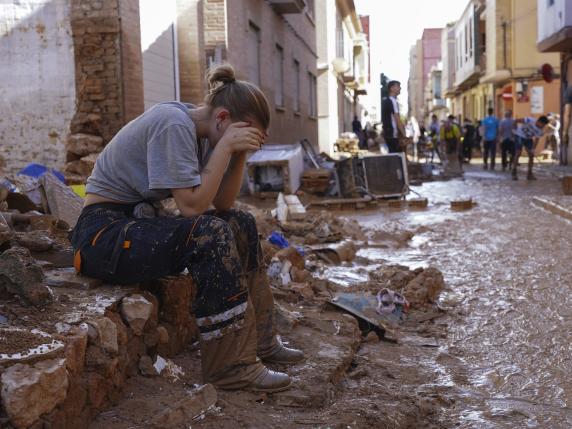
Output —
(395, 25)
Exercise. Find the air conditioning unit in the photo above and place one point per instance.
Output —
(385, 175)
(288, 6)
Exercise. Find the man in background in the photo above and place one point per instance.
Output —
(507, 126)
(528, 131)
(490, 131)
(393, 128)
(468, 140)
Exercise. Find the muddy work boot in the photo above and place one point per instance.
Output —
(269, 382)
(284, 355)
(514, 175)
(530, 176)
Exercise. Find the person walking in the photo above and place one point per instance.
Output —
(490, 130)
(468, 140)
(506, 129)
(450, 138)
(434, 130)
(196, 155)
(393, 128)
(528, 131)
(358, 131)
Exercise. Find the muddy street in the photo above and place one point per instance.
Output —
(505, 361)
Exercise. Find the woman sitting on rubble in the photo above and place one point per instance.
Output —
(197, 155)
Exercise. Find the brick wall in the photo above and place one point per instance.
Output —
(131, 59)
(109, 80)
(296, 34)
(191, 48)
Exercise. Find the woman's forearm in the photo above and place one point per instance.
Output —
(231, 182)
(197, 200)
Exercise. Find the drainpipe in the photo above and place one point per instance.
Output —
(504, 24)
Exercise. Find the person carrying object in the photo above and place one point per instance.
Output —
(196, 155)
(528, 132)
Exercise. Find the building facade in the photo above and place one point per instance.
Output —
(423, 56)
(555, 36)
(514, 63)
(343, 64)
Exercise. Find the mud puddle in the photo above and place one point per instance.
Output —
(506, 359)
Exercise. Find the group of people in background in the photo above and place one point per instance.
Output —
(454, 142)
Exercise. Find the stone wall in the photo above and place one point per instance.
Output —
(119, 333)
(37, 93)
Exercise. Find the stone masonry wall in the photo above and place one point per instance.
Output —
(109, 81)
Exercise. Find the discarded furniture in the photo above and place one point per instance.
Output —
(274, 169)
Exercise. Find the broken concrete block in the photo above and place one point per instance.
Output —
(106, 334)
(62, 202)
(184, 410)
(83, 166)
(84, 144)
(21, 275)
(30, 391)
(136, 310)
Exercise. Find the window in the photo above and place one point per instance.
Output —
(466, 44)
(471, 41)
(312, 101)
(296, 86)
(254, 53)
(279, 76)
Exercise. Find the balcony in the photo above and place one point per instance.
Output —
(284, 7)
(554, 26)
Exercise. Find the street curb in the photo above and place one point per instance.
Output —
(552, 207)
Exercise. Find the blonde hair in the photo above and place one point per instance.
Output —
(244, 100)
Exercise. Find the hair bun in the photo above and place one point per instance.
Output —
(220, 75)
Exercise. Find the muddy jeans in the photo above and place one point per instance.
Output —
(222, 252)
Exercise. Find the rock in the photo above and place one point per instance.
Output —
(106, 334)
(300, 276)
(84, 144)
(21, 275)
(372, 337)
(67, 278)
(30, 391)
(146, 367)
(136, 310)
(35, 241)
(185, 410)
(83, 166)
(76, 345)
(292, 255)
(304, 289)
(424, 288)
(163, 335)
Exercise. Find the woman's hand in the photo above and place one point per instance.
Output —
(241, 137)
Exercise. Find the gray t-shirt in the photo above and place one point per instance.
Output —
(156, 152)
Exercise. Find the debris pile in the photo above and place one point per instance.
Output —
(421, 287)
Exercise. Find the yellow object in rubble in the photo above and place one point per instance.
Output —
(79, 189)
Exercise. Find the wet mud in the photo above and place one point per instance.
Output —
(492, 351)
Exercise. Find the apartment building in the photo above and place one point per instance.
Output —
(343, 56)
